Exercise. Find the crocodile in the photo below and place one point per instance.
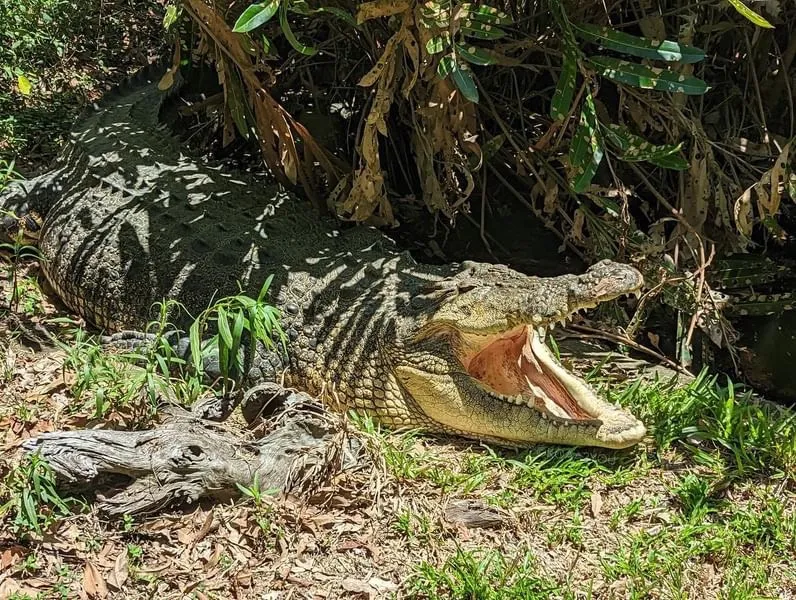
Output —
(129, 219)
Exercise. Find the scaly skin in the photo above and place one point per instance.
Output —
(129, 221)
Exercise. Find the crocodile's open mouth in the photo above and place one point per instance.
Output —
(517, 366)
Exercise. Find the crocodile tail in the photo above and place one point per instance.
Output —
(38, 194)
(145, 76)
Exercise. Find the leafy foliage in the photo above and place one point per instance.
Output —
(32, 499)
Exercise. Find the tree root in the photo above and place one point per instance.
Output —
(188, 458)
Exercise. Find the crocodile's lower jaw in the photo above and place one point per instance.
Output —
(517, 367)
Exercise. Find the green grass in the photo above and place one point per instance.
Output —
(748, 542)
(730, 504)
(483, 575)
(727, 431)
(30, 498)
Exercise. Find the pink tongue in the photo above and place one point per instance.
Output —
(508, 364)
(496, 365)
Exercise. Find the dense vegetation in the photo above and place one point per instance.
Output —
(397, 110)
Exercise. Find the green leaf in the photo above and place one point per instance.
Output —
(638, 46)
(486, 14)
(586, 151)
(649, 78)
(481, 31)
(750, 14)
(223, 327)
(196, 346)
(635, 148)
(302, 8)
(256, 15)
(434, 11)
(493, 146)
(223, 360)
(237, 336)
(24, 85)
(460, 76)
(298, 46)
(340, 14)
(437, 44)
(675, 162)
(565, 88)
(172, 14)
(475, 55)
(264, 288)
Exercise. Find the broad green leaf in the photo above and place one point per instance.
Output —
(302, 8)
(645, 77)
(223, 327)
(171, 16)
(675, 162)
(750, 14)
(256, 15)
(460, 76)
(638, 46)
(344, 15)
(586, 151)
(298, 46)
(565, 88)
(635, 148)
(481, 31)
(445, 66)
(493, 146)
(437, 44)
(24, 85)
(434, 10)
(475, 55)
(486, 15)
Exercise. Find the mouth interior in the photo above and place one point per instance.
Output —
(518, 366)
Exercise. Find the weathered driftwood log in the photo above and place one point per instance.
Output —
(187, 458)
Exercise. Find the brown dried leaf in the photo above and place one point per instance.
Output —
(578, 221)
(551, 197)
(777, 179)
(653, 27)
(11, 556)
(596, 502)
(743, 213)
(695, 210)
(93, 582)
(380, 8)
(412, 50)
(120, 571)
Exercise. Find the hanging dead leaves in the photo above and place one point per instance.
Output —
(441, 121)
(250, 108)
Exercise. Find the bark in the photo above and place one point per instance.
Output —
(187, 457)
